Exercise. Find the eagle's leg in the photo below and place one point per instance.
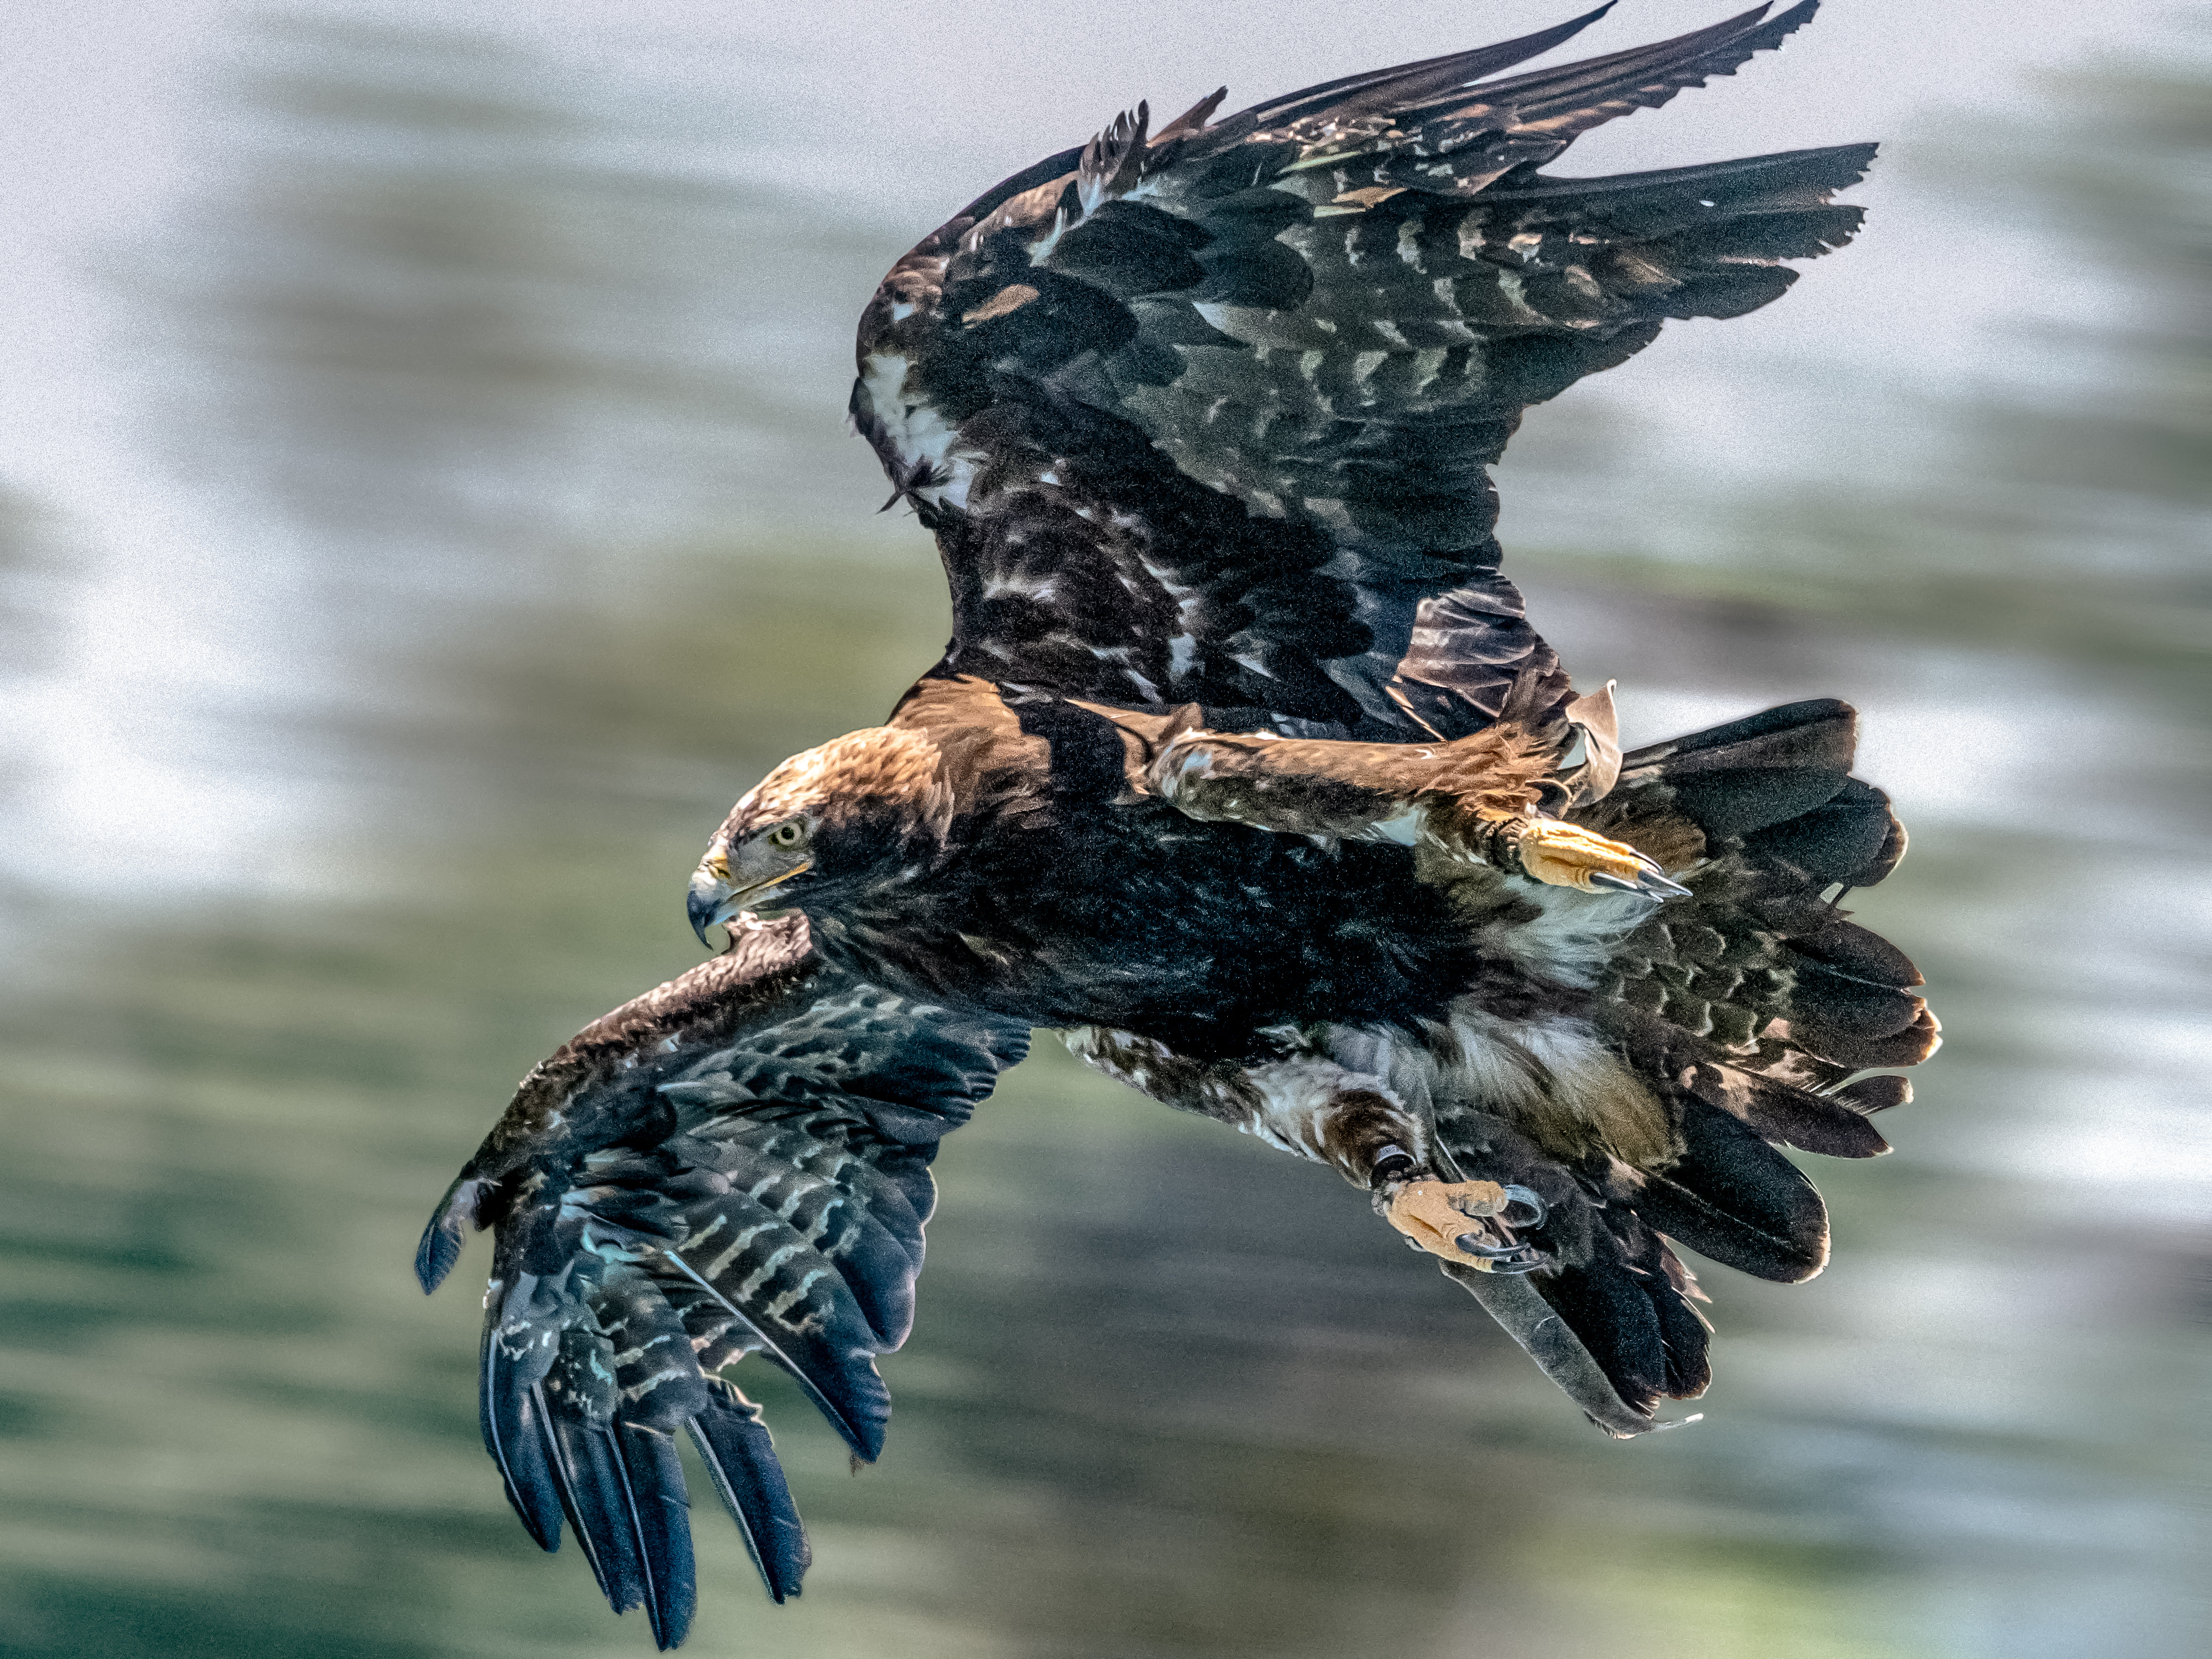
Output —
(1477, 800)
(1309, 1105)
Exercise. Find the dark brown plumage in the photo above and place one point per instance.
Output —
(1243, 771)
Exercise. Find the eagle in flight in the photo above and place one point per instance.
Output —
(1245, 772)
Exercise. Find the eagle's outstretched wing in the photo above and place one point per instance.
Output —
(737, 1162)
(1206, 416)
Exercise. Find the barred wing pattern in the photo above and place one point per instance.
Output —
(736, 1163)
(1205, 416)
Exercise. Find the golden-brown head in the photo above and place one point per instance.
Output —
(831, 812)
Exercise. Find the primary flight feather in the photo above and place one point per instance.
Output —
(1245, 772)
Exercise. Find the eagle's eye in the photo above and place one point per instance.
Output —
(787, 835)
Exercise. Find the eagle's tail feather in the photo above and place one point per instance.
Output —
(1732, 1197)
(1745, 1009)
(1755, 994)
(1616, 1328)
(1746, 1006)
(1610, 1320)
(1635, 1322)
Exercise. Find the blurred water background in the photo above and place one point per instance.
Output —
(424, 506)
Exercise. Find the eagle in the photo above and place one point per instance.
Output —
(1244, 773)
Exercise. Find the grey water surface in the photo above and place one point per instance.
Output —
(461, 518)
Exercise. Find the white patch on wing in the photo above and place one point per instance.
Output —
(1041, 250)
(917, 433)
(1510, 284)
(1331, 511)
(1409, 242)
(885, 380)
(1182, 646)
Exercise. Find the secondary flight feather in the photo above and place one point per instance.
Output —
(1245, 772)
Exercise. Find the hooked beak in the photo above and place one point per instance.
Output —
(707, 897)
(714, 897)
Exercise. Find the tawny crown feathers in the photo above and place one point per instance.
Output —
(859, 773)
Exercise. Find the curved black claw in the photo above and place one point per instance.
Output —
(1649, 882)
(1527, 1200)
(1503, 1258)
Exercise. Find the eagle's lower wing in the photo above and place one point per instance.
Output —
(1206, 417)
(737, 1162)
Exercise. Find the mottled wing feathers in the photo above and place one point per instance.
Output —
(1207, 417)
(737, 1162)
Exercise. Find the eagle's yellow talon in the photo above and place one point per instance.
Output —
(1457, 1220)
(1563, 854)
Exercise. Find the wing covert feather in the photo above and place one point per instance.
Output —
(1208, 417)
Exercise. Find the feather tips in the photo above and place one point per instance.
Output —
(1563, 103)
(1388, 91)
(741, 1173)
(1733, 1197)
(741, 1462)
